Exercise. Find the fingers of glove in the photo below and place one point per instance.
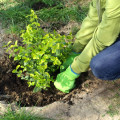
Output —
(66, 64)
(64, 76)
(60, 76)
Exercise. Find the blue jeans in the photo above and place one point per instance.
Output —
(106, 64)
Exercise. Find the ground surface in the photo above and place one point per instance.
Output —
(92, 99)
(102, 103)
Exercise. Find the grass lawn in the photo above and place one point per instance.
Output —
(13, 12)
(21, 115)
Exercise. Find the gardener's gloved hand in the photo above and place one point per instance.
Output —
(66, 80)
(68, 61)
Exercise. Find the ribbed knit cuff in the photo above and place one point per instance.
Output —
(73, 71)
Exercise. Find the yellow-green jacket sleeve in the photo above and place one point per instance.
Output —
(87, 28)
(104, 35)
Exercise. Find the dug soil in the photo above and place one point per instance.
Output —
(13, 89)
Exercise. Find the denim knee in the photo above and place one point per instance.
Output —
(97, 68)
(106, 64)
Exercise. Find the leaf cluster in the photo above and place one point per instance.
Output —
(40, 55)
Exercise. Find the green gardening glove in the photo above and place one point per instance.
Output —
(66, 80)
(68, 61)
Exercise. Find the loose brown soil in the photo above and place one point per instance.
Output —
(19, 91)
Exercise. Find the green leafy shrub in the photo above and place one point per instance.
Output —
(41, 54)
